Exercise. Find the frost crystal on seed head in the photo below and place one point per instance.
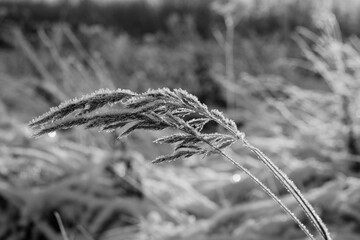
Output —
(155, 109)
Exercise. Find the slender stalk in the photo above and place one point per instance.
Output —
(291, 187)
(265, 189)
(61, 226)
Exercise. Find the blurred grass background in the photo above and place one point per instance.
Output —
(285, 70)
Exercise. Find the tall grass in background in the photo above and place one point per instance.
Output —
(326, 53)
(337, 62)
(63, 66)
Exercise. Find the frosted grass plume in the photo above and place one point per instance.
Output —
(169, 109)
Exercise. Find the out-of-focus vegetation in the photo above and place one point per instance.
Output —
(293, 89)
(138, 17)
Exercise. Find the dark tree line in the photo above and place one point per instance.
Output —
(135, 17)
(139, 17)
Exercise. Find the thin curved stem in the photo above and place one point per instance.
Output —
(265, 189)
(291, 187)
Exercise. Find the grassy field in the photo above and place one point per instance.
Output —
(287, 74)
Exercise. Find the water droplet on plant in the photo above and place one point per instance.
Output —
(236, 178)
